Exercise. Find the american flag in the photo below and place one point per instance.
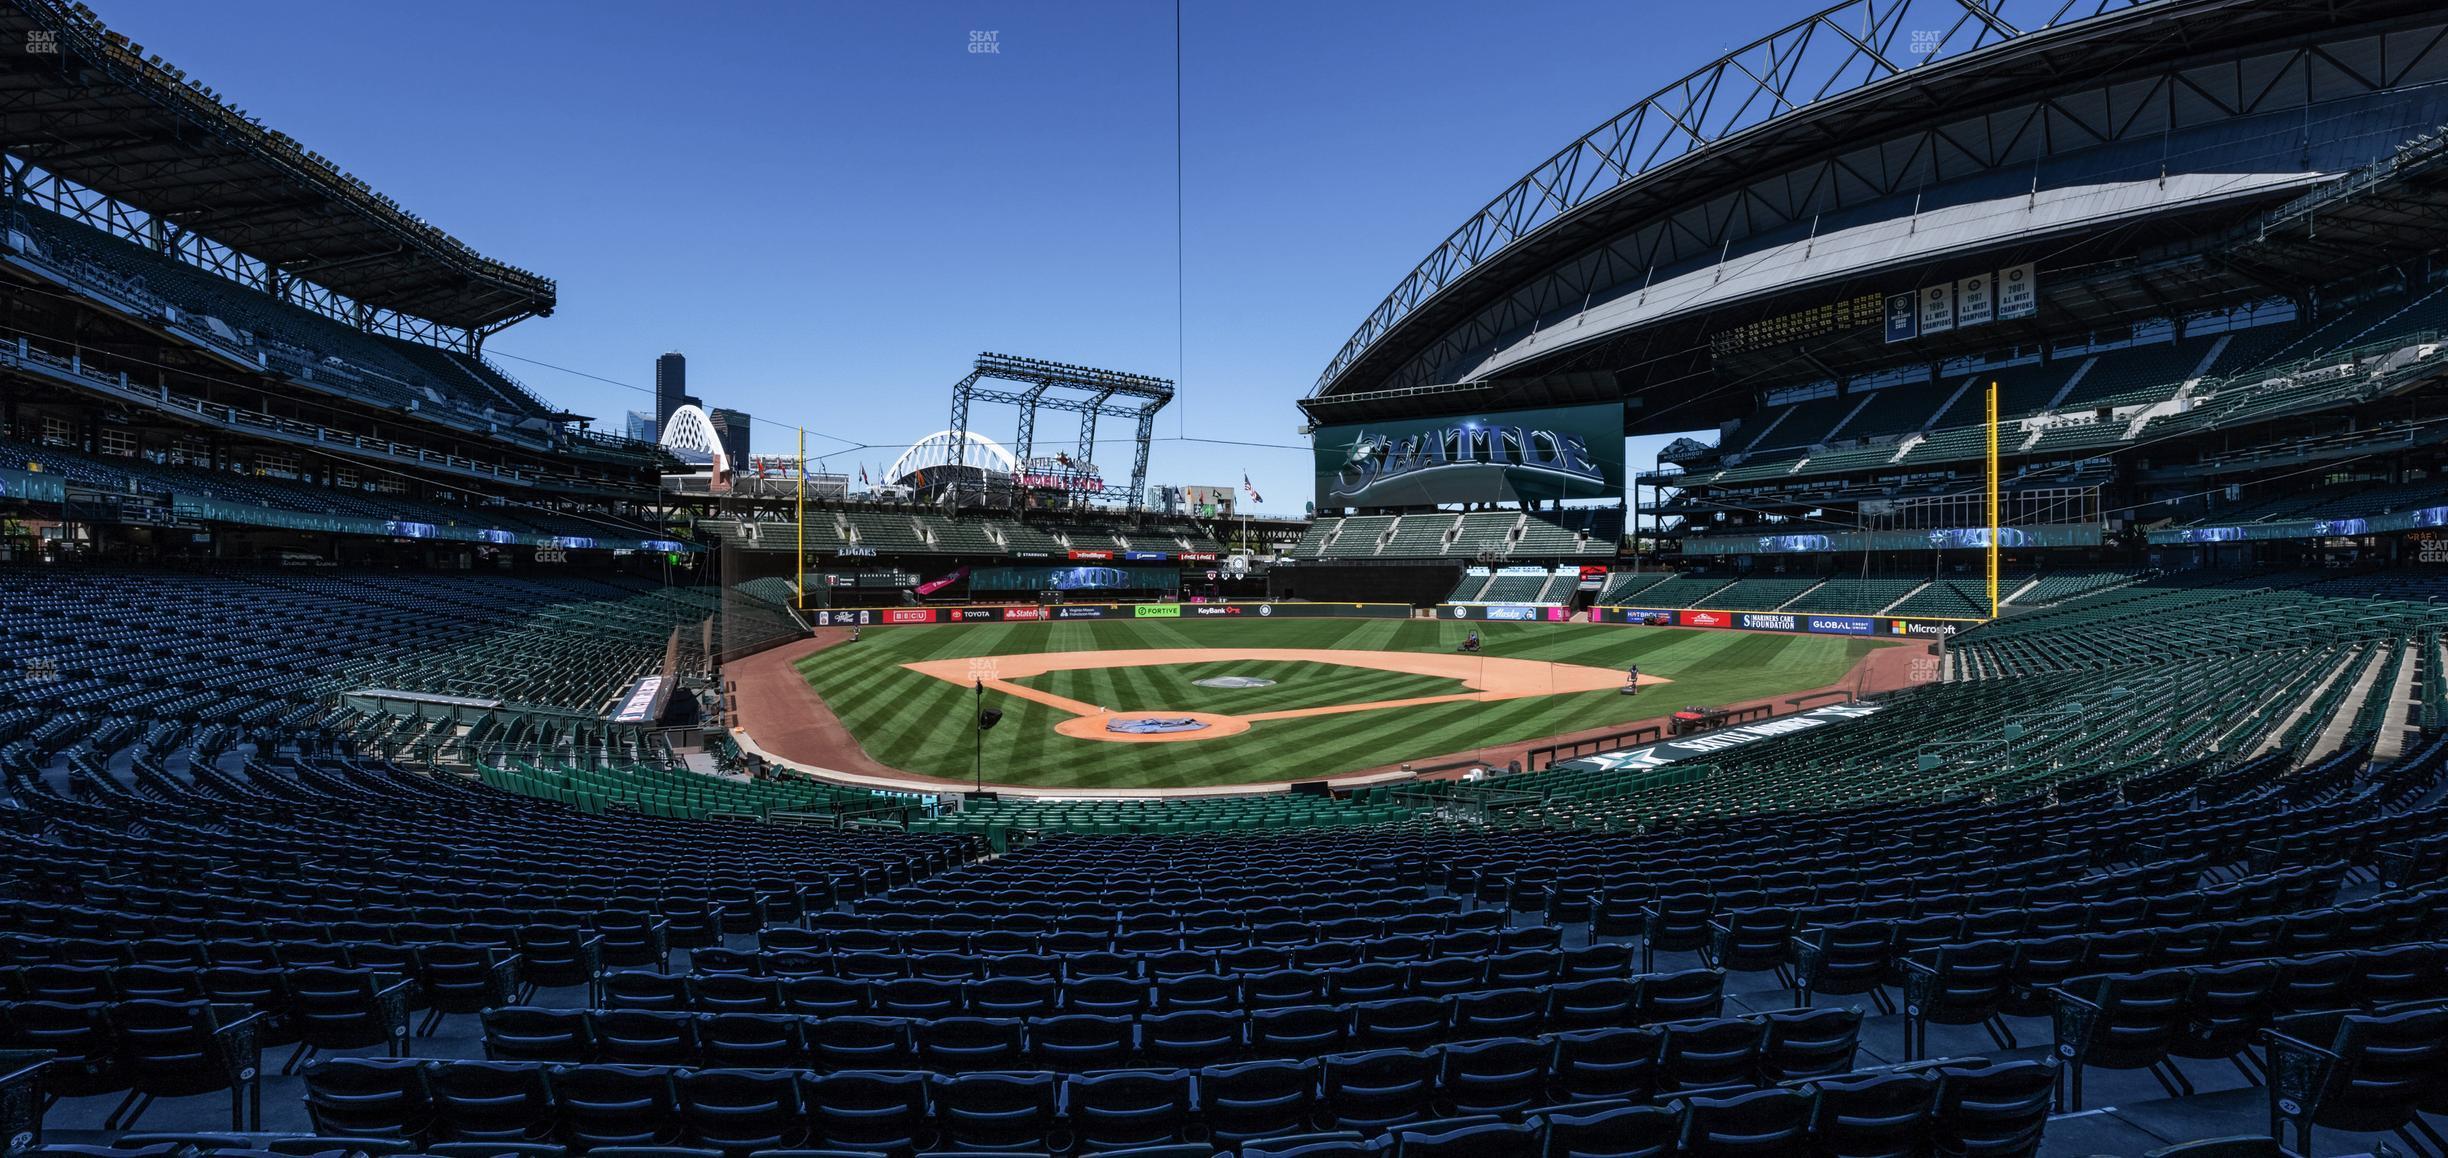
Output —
(1253, 491)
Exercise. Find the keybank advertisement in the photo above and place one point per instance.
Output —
(1564, 452)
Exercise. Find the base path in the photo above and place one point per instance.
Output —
(1490, 678)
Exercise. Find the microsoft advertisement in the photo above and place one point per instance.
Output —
(1564, 452)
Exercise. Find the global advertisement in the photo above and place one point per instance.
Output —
(1565, 452)
(1842, 625)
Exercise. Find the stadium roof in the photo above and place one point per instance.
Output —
(1841, 79)
(100, 112)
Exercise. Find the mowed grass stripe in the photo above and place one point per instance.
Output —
(1299, 684)
(923, 724)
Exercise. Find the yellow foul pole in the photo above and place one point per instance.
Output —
(799, 554)
(1993, 499)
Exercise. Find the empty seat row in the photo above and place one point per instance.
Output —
(2001, 1108)
(1078, 1040)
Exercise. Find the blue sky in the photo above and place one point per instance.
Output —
(832, 207)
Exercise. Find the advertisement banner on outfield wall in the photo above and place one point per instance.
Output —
(1017, 613)
(1562, 452)
(1509, 612)
(1781, 621)
(1636, 616)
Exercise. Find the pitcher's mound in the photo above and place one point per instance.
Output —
(1167, 726)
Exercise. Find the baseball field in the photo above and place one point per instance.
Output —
(1189, 703)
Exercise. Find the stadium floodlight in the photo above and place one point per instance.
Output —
(1087, 391)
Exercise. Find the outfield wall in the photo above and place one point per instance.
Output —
(1503, 612)
(1800, 622)
(1046, 612)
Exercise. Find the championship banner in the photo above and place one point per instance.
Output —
(1938, 309)
(2018, 292)
(1903, 319)
(1973, 304)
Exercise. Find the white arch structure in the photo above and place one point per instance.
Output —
(690, 435)
(936, 450)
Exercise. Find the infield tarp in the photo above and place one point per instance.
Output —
(1724, 739)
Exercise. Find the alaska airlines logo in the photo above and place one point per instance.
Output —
(1376, 458)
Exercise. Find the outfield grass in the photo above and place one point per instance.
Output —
(922, 724)
(1298, 684)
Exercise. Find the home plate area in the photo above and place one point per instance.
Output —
(1487, 678)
